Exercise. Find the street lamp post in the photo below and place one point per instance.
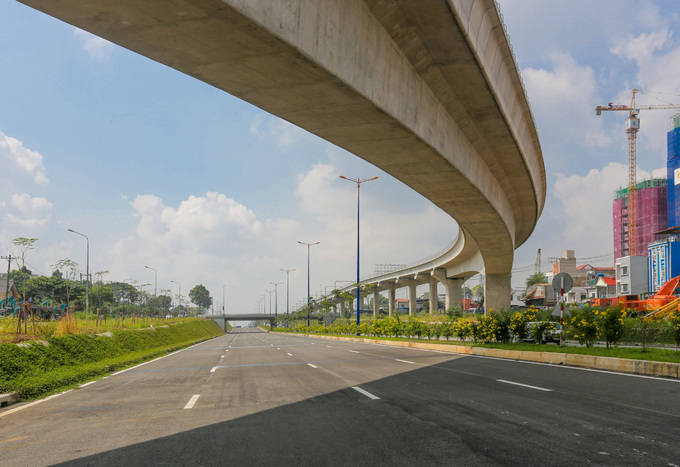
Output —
(358, 181)
(288, 271)
(270, 301)
(224, 303)
(155, 285)
(87, 272)
(309, 245)
(276, 297)
(179, 296)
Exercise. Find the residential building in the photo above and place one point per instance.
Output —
(517, 298)
(13, 291)
(632, 275)
(604, 287)
(540, 295)
(576, 295)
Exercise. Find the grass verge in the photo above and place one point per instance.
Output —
(36, 370)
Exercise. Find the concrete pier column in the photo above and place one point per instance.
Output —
(434, 299)
(392, 299)
(497, 292)
(454, 294)
(376, 303)
(412, 303)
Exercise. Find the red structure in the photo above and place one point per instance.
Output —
(652, 216)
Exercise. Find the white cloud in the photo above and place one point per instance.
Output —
(96, 47)
(283, 132)
(21, 158)
(642, 47)
(568, 90)
(586, 211)
(28, 212)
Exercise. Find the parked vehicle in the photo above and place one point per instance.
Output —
(548, 337)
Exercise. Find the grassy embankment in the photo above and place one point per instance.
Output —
(35, 370)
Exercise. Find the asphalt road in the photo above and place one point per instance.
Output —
(253, 398)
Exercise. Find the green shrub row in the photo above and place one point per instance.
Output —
(587, 325)
(35, 370)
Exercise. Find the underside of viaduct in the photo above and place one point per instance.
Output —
(426, 90)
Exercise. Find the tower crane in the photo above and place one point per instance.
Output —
(537, 266)
(632, 128)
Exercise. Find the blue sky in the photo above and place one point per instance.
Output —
(162, 170)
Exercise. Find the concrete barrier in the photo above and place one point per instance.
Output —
(619, 365)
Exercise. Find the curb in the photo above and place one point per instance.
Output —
(618, 365)
(9, 399)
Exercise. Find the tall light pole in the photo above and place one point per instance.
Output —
(179, 296)
(87, 272)
(224, 303)
(270, 300)
(288, 271)
(309, 297)
(276, 297)
(358, 181)
(155, 287)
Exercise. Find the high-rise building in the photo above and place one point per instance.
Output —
(652, 216)
(673, 168)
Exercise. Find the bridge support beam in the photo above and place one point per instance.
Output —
(497, 292)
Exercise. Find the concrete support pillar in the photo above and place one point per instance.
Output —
(392, 299)
(497, 292)
(412, 298)
(454, 294)
(376, 303)
(434, 300)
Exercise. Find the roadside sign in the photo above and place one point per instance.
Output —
(562, 283)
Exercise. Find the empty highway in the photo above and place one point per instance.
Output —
(254, 398)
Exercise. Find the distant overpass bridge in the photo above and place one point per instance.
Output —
(426, 90)
(222, 320)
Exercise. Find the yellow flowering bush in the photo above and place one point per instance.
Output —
(675, 321)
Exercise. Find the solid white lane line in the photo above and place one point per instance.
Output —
(354, 351)
(405, 361)
(212, 370)
(192, 401)
(365, 393)
(313, 366)
(524, 385)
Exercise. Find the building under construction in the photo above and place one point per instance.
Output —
(673, 170)
(651, 214)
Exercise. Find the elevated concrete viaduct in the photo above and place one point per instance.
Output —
(426, 90)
